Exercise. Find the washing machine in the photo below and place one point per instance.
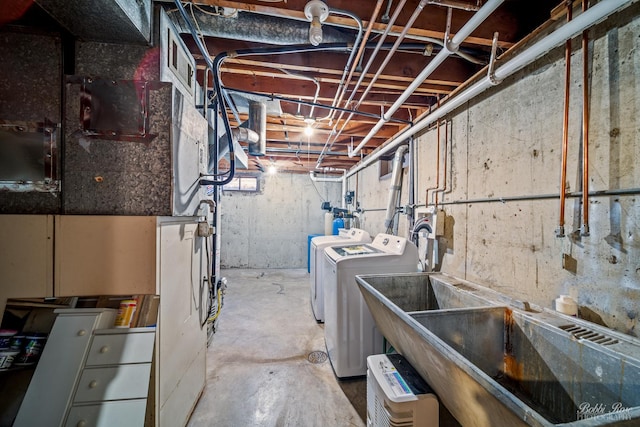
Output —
(316, 263)
(349, 330)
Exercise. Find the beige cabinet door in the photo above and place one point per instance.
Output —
(26, 257)
(105, 255)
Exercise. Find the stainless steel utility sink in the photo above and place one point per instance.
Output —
(494, 361)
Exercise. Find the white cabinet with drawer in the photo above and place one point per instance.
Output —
(114, 382)
(50, 391)
(112, 347)
(108, 414)
(90, 374)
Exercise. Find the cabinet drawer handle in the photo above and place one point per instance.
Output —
(104, 349)
(93, 384)
(82, 333)
(81, 423)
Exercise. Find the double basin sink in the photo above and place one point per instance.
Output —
(494, 361)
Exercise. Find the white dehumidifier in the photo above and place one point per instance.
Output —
(397, 396)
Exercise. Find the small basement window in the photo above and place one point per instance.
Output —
(243, 183)
(386, 165)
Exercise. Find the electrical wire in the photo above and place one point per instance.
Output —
(213, 318)
(318, 191)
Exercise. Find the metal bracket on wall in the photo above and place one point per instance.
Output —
(115, 109)
(29, 156)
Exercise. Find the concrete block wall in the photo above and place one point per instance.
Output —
(270, 229)
(508, 143)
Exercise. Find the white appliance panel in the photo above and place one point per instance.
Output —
(316, 264)
(350, 332)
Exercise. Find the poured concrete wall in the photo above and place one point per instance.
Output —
(508, 143)
(270, 229)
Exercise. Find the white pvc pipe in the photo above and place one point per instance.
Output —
(449, 48)
(569, 30)
(342, 179)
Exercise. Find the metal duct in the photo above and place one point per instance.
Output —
(237, 135)
(258, 28)
(258, 124)
(114, 21)
(395, 187)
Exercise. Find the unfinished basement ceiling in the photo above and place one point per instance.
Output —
(323, 78)
(343, 71)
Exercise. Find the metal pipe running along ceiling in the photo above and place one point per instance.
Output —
(569, 30)
(449, 48)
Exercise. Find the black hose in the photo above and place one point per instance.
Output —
(214, 66)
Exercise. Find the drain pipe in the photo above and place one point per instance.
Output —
(450, 47)
(394, 190)
(593, 15)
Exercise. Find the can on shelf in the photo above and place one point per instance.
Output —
(125, 313)
(30, 353)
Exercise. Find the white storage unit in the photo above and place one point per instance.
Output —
(121, 255)
(90, 373)
(350, 332)
(114, 383)
(397, 395)
(316, 264)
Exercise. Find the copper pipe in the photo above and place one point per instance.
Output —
(585, 127)
(565, 127)
(426, 201)
(444, 169)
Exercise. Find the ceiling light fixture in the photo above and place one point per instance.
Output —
(308, 131)
(272, 169)
(317, 12)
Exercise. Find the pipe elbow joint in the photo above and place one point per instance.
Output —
(493, 79)
(451, 47)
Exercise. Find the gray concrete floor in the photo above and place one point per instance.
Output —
(258, 372)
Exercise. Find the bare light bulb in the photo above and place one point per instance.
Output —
(308, 131)
(316, 12)
(273, 170)
(315, 31)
